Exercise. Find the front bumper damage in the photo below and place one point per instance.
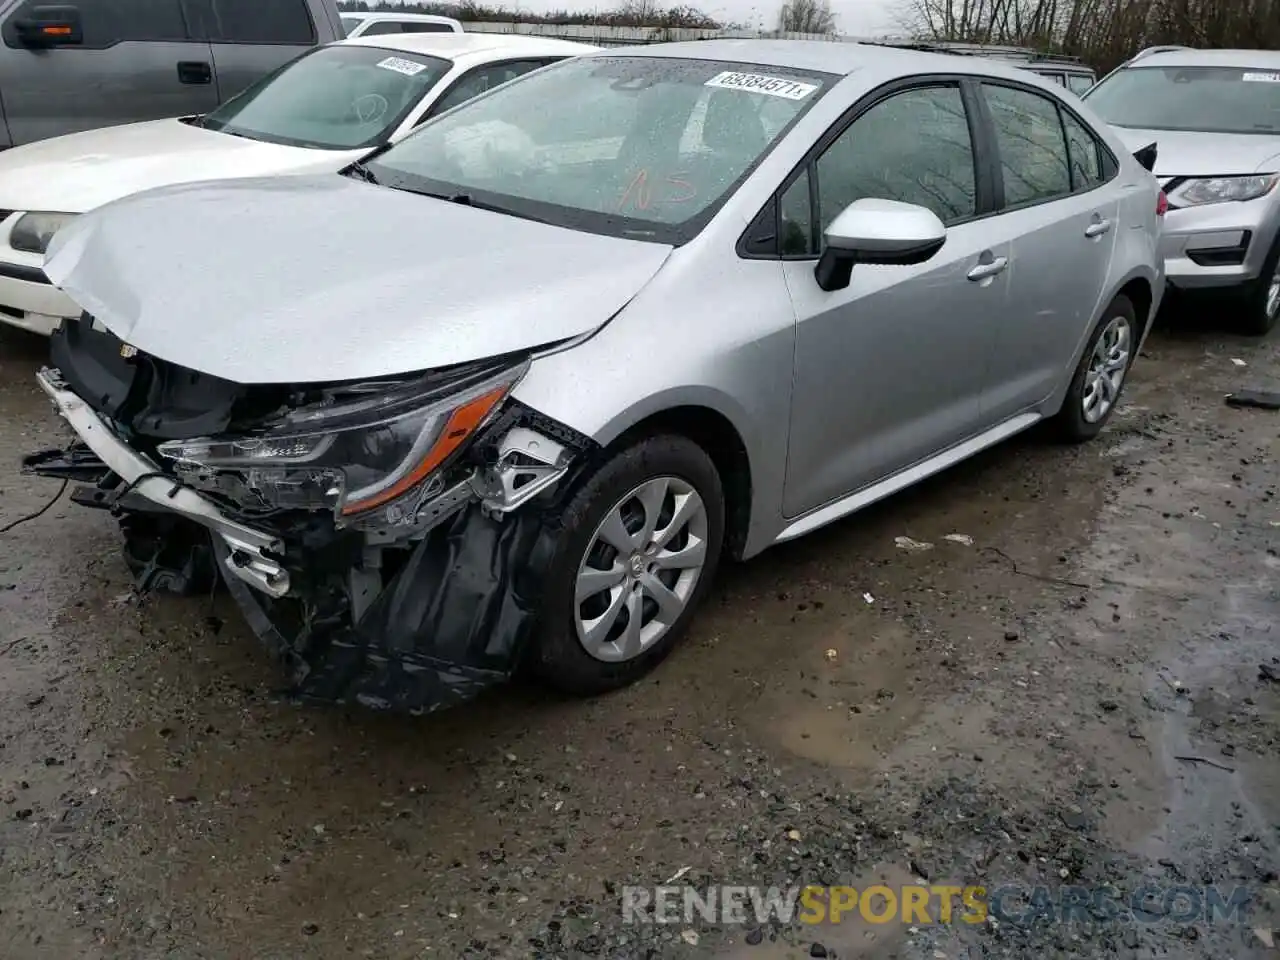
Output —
(411, 618)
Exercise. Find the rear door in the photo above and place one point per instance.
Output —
(1063, 224)
(139, 61)
(250, 38)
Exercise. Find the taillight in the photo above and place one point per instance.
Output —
(1162, 204)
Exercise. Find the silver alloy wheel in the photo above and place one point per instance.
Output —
(1273, 294)
(1107, 369)
(640, 569)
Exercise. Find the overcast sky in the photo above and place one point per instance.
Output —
(859, 18)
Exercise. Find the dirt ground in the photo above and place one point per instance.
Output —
(1018, 710)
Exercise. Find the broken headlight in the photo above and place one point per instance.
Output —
(346, 455)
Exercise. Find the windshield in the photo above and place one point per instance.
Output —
(334, 98)
(349, 24)
(1206, 99)
(642, 147)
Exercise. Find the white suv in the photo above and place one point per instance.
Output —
(372, 24)
(1214, 116)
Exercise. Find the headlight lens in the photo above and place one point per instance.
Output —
(351, 457)
(1222, 189)
(33, 231)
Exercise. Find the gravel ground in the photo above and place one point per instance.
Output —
(1014, 710)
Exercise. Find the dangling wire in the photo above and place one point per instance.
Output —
(39, 513)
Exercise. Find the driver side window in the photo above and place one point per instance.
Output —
(913, 147)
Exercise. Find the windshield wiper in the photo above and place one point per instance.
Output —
(467, 200)
(360, 170)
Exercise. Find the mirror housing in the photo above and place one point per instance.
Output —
(1147, 157)
(877, 231)
(50, 26)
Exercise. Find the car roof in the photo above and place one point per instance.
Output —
(1269, 59)
(834, 56)
(389, 15)
(472, 46)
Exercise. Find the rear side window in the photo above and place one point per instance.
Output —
(382, 26)
(108, 22)
(1085, 154)
(262, 21)
(410, 26)
(1078, 83)
(1033, 149)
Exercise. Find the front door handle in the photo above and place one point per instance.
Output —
(1097, 228)
(194, 72)
(984, 270)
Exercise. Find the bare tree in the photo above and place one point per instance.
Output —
(806, 16)
(1102, 32)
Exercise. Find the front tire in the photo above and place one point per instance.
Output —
(639, 545)
(1101, 374)
(1261, 302)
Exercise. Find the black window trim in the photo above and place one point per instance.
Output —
(1107, 163)
(210, 38)
(985, 182)
(369, 31)
(434, 111)
(190, 20)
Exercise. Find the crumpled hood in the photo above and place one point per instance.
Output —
(1183, 154)
(81, 171)
(311, 279)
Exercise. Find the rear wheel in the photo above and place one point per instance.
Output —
(1100, 376)
(1262, 297)
(640, 543)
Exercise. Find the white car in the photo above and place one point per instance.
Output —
(317, 114)
(376, 24)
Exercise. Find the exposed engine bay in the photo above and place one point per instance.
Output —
(386, 539)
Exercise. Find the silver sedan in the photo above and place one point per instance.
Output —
(505, 393)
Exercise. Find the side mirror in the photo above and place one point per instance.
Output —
(1147, 157)
(51, 26)
(877, 231)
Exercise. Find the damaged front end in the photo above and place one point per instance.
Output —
(385, 538)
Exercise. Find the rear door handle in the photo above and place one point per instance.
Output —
(984, 270)
(194, 72)
(1097, 228)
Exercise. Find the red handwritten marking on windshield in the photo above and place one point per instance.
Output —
(640, 194)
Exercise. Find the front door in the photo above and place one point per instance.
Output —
(891, 369)
(1065, 222)
(132, 65)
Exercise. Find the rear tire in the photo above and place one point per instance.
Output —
(1101, 374)
(1261, 299)
(612, 613)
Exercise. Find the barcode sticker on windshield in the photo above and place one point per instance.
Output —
(401, 65)
(1261, 78)
(759, 83)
